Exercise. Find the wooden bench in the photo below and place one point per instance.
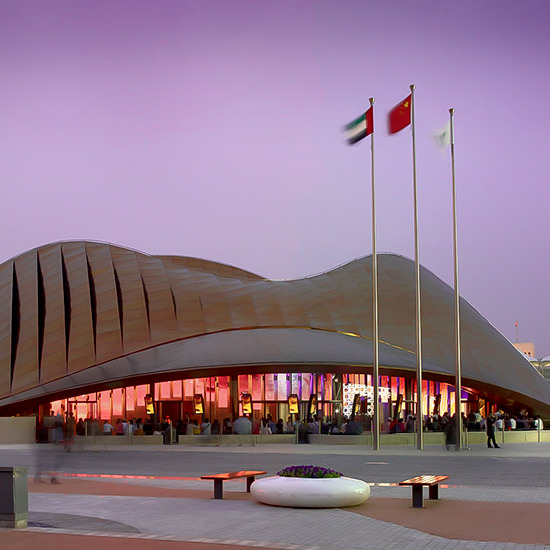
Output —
(418, 483)
(220, 478)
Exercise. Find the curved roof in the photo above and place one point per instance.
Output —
(81, 316)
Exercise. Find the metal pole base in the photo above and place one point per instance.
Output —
(13, 521)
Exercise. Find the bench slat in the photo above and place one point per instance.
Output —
(234, 475)
(424, 480)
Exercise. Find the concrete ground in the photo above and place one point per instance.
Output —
(153, 497)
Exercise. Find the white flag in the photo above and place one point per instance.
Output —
(443, 136)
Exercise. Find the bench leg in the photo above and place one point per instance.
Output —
(249, 482)
(418, 497)
(218, 489)
(434, 492)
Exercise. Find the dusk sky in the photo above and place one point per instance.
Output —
(214, 129)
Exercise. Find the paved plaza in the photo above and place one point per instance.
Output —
(141, 496)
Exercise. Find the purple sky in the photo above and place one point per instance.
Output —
(214, 129)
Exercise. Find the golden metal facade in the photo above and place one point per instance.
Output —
(68, 309)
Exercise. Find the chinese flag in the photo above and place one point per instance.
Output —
(400, 116)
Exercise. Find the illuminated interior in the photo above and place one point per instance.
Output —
(270, 393)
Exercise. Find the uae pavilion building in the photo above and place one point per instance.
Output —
(102, 330)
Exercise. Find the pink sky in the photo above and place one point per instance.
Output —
(214, 129)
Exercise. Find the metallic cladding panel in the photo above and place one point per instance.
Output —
(190, 320)
(81, 344)
(25, 373)
(162, 316)
(135, 325)
(6, 271)
(108, 336)
(54, 351)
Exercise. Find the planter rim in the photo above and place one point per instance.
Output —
(313, 478)
(310, 492)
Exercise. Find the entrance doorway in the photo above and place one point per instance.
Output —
(171, 409)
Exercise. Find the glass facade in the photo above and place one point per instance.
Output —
(338, 396)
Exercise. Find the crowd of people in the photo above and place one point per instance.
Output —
(63, 427)
(473, 422)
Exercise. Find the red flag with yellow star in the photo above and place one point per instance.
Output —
(400, 116)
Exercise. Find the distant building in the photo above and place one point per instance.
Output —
(528, 348)
(542, 364)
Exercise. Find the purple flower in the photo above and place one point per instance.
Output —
(308, 471)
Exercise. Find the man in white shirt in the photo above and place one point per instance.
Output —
(206, 427)
(108, 428)
(478, 419)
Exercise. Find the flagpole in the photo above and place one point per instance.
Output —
(418, 325)
(375, 377)
(458, 361)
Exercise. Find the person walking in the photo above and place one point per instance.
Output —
(450, 434)
(70, 429)
(491, 432)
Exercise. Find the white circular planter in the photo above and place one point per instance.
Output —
(299, 492)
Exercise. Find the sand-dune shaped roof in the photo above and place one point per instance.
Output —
(77, 317)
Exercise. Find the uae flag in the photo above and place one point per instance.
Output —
(400, 116)
(360, 128)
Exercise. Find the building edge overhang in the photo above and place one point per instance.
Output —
(260, 350)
